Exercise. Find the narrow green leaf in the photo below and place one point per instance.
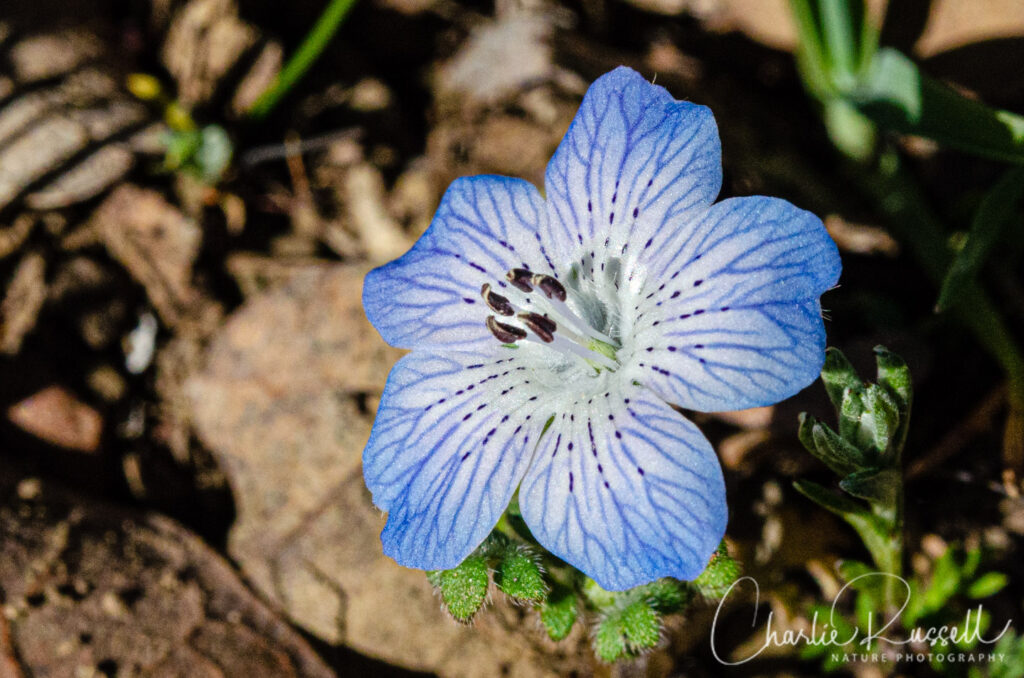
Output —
(896, 95)
(838, 375)
(878, 486)
(994, 214)
(836, 503)
(884, 416)
(945, 581)
(852, 426)
(987, 585)
(840, 27)
(825, 444)
(894, 374)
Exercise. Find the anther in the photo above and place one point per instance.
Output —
(520, 279)
(542, 326)
(549, 286)
(495, 301)
(506, 334)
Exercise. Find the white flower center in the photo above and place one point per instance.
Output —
(577, 320)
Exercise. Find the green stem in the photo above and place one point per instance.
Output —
(309, 51)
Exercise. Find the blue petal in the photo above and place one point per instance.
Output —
(430, 297)
(730, 316)
(453, 436)
(633, 163)
(627, 490)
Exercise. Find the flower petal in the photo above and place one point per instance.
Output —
(453, 436)
(633, 162)
(730, 316)
(430, 297)
(627, 490)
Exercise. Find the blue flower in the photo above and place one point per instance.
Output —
(550, 339)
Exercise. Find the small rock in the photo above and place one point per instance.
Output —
(56, 416)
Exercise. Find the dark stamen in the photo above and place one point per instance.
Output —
(520, 279)
(549, 286)
(495, 301)
(506, 334)
(542, 326)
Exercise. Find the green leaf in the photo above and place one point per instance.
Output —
(721, 572)
(464, 588)
(642, 626)
(841, 29)
(878, 486)
(896, 95)
(945, 581)
(994, 214)
(826, 445)
(894, 376)
(559, 612)
(519, 576)
(836, 503)
(851, 411)
(884, 416)
(838, 375)
(987, 585)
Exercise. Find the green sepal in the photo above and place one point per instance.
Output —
(559, 612)
(721, 572)
(610, 639)
(434, 577)
(825, 444)
(464, 588)
(642, 626)
(878, 486)
(519, 575)
(838, 375)
(667, 595)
